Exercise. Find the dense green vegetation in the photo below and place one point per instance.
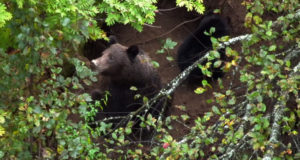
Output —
(38, 93)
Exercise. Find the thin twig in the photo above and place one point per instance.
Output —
(168, 9)
(162, 35)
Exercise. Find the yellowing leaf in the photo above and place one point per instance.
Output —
(227, 66)
(233, 62)
(2, 119)
(60, 149)
(199, 90)
(2, 131)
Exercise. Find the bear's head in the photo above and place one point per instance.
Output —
(115, 59)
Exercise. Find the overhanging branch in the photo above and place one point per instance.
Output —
(278, 114)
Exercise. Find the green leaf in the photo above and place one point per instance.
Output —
(212, 30)
(137, 96)
(1, 154)
(121, 138)
(37, 109)
(145, 100)
(65, 21)
(133, 88)
(209, 101)
(155, 64)
(288, 63)
(239, 134)
(297, 156)
(161, 51)
(199, 90)
(215, 54)
(216, 110)
(20, 3)
(272, 47)
(269, 33)
(232, 101)
(2, 119)
(185, 117)
(257, 19)
(114, 136)
(217, 64)
(257, 127)
(266, 123)
(170, 44)
(128, 130)
(170, 58)
(263, 107)
(4, 15)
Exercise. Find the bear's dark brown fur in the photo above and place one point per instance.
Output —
(120, 68)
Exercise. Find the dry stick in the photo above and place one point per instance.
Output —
(278, 114)
(152, 26)
(168, 9)
(162, 35)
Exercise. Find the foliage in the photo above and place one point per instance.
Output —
(196, 5)
(168, 44)
(44, 113)
(134, 12)
(257, 117)
(42, 76)
(4, 15)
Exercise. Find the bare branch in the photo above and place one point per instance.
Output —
(168, 9)
(278, 114)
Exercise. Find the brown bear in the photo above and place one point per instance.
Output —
(120, 68)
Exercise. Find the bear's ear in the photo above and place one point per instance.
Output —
(132, 51)
(112, 40)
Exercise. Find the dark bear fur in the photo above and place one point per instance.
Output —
(120, 68)
(197, 44)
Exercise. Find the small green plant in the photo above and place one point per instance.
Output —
(155, 64)
(168, 44)
(191, 5)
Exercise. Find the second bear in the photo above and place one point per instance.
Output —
(197, 44)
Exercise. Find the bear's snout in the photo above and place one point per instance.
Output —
(99, 64)
(94, 62)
